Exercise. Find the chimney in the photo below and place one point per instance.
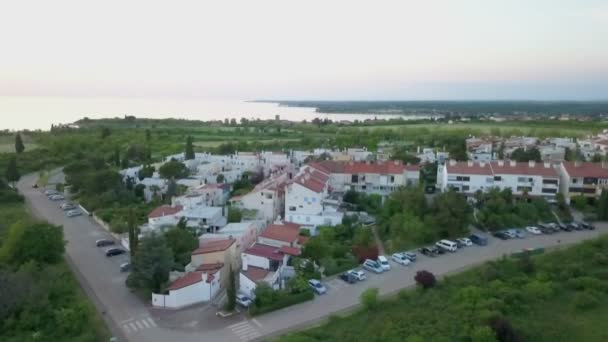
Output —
(501, 163)
(577, 163)
(245, 264)
(531, 163)
(512, 163)
(397, 162)
(482, 164)
(452, 162)
(547, 165)
(204, 275)
(469, 163)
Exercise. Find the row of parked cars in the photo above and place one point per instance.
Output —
(113, 251)
(543, 228)
(70, 209)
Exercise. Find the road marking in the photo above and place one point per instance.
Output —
(144, 322)
(139, 325)
(133, 326)
(257, 323)
(245, 330)
(152, 323)
(127, 329)
(237, 324)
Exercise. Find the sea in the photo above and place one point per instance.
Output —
(40, 112)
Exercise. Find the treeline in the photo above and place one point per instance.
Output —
(39, 298)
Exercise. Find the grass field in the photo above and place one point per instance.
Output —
(7, 143)
(213, 144)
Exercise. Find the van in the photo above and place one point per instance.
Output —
(383, 261)
(447, 245)
(478, 239)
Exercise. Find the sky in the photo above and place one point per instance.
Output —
(318, 50)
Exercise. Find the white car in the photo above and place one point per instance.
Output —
(56, 198)
(383, 261)
(465, 241)
(401, 259)
(73, 213)
(51, 192)
(67, 206)
(534, 230)
(243, 300)
(360, 275)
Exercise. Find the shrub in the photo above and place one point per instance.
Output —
(281, 300)
(585, 300)
(504, 330)
(369, 298)
(425, 279)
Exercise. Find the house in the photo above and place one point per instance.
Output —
(533, 179)
(213, 251)
(164, 216)
(583, 179)
(264, 263)
(266, 200)
(193, 288)
(208, 195)
(205, 219)
(279, 235)
(245, 233)
(153, 187)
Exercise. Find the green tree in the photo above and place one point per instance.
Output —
(148, 135)
(39, 242)
(182, 242)
(231, 290)
(116, 157)
(369, 298)
(173, 169)
(12, 172)
(171, 190)
(152, 263)
(105, 132)
(133, 234)
(146, 171)
(602, 206)
(19, 147)
(220, 178)
(483, 334)
(189, 154)
(234, 215)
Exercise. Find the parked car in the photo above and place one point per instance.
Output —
(518, 233)
(57, 198)
(104, 242)
(372, 266)
(564, 227)
(466, 242)
(410, 255)
(437, 250)
(316, 286)
(401, 259)
(243, 300)
(479, 239)
(125, 267)
(428, 251)
(546, 230)
(383, 261)
(510, 233)
(67, 206)
(533, 230)
(447, 245)
(73, 213)
(586, 225)
(110, 252)
(574, 226)
(348, 277)
(51, 192)
(358, 274)
(501, 235)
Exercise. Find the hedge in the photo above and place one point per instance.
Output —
(284, 301)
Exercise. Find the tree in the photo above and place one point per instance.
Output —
(483, 334)
(189, 154)
(504, 330)
(19, 147)
(369, 298)
(148, 135)
(39, 242)
(173, 169)
(602, 206)
(363, 237)
(220, 178)
(139, 190)
(234, 215)
(501, 151)
(231, 290)
(425, 279)
(124, 163)
(182, 242)
(116, 157)
(146, 171)
(133, 234)
(105, 132)
(152, 263)
(171, 190)
(12, 172)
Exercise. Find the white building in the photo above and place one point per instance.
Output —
(206, 219)
(193, 288)
(583, 179)
(164, 216)
(535, 179)
(245, 233)
(266, 199)
(263, 263)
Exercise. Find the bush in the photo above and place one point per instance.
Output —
(281, 300)
(425, 279)
(369, 298)
(339, 265)
(585, 300)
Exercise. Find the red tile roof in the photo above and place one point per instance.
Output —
(295, 251)
(309, 182)
(586, 169)
(189, 279)
(256, 273)
(265, 251)
(524, 168)
(211, 268)
(286, 233)
(211, 246)
(463, 168)
(379, 167)
(165, 210)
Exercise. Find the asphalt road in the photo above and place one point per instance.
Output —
(131, 319)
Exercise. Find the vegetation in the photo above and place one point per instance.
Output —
(39, 298)
(151, 265)
(333, 247)
(231, 290)
(19, 146)
(369, 298)
(525, 155)
(267, 299)
(560, 296)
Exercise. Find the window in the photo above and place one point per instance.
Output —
(588, 180)
(301, 206)
(574, 189)
(465, 188)
(490, 180)
(392, 179)
(354, 179)
(497, 178)
(305, 198)
(307, 218)
(463, 178)
(314, 200)
(549, 191)
(549, 181)
(574, 180)
(292, 208)
(524, 189)
(363, 187)
(522, 179)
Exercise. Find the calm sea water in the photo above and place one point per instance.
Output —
(26, 112)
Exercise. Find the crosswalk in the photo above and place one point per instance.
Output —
(135, 325)
(245, 330)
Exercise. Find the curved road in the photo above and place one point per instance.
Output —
(130, 319)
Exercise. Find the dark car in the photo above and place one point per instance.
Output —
(546, 230)
(564, 227)
(348, 277)
(114, 251)
(501, 235)
(586, 225)
(428, 251)
(478, 239)
(104, 242)
(576, 226)
(410, 255)
(437, 250)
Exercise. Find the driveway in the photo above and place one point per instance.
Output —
(132, 320)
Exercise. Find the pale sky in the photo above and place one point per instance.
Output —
(331, 49)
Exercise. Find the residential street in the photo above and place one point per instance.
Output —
(131, 319)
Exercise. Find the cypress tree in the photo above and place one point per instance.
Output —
(12, 172)
(19, 147)
(189, 148)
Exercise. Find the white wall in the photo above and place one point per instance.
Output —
(254, 260)
(189, 295)
(303, 201)
(246, 285)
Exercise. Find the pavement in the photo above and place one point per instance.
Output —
(131, 319)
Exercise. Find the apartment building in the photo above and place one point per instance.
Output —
(583, 179)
